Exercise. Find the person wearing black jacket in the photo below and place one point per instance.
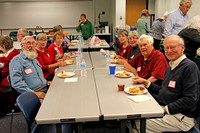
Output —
(179, 94)
(191, 36)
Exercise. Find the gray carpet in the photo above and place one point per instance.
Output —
(18, 126)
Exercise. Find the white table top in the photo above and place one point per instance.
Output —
(117, 105)
(87, 45)
(70, 102)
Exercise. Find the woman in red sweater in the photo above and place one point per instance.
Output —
(124, 47)
(55, 50)
(6, 45)
(48, 64)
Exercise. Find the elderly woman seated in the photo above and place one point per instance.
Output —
(48, 64)
(134, 50)
(55, 50)
(6, 45)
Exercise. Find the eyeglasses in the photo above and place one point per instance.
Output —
(170, 47)
(41, 40)
(29, 43)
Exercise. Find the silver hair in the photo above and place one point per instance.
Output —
(41, 35)
(194, 23)
(185, 1)
(149, 39)
(181, 41)
(134, 33)
(24, 32)
(123, 31)
(26, 37)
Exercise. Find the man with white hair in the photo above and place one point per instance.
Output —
(26, 72)
(179, 94)
(150, 63)
(178, 18)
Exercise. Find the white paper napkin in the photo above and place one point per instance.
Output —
(139, 98)
(102, 51)
(75, 79)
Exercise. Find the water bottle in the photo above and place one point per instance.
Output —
(83, 68)
(82, 41)
(79, 46)
(108, 57)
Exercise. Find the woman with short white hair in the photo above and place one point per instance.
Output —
(191, 36)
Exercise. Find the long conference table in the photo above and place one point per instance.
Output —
(93, 98)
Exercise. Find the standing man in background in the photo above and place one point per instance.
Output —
(178, 18)
(86, 27)
(21, 33)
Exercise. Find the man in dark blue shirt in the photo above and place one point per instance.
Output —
(179, 93)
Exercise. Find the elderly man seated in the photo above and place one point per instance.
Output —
(149, 64)
(179, 93)
(26, 72)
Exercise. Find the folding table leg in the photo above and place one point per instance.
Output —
(58, 128)
(142, 125)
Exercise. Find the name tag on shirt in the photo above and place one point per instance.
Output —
(172, 84)
(28, 71)
(139, 69)
(124, 51)
(132, 56)
(48, 55)
(82, 24)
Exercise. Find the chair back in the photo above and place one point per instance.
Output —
(29, 104)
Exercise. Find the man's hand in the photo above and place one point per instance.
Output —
(48, 83)
(40, 95)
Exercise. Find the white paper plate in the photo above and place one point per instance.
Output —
(124, 76)
(69, 74)
(74, 41)
(127, 90)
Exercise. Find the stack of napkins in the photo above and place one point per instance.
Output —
(75, 79)
(139, 98)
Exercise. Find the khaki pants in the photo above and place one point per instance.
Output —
(173, 123)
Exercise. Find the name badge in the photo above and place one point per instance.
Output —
(82, 24)
(172, 84)
(132, 56)
(124, 51)
(28, 71)
(48, 55)
(139, 69)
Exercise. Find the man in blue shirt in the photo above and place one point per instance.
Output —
(25, 71)
(177, 19)
(179, 94)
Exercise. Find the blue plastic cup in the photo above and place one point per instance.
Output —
(112, 68)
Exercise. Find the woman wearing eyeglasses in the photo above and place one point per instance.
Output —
(48, 64)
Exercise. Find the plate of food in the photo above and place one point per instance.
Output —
(123, 74)
(102, 44)
(72, 54)
(73, 44)
(74, 41)
(69, 61)
(136, 90)
(85, 43)
(113, 61)
(64, 74)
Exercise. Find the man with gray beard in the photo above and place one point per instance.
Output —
(26, 72)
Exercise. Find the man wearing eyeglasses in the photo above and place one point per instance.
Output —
(179, 94)
(178, 18)
(26, 72)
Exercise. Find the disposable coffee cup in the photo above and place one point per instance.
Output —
(112, 68)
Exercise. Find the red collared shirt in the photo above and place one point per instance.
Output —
(155, 65)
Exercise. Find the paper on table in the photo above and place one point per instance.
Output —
(139, 98)
(75, 79)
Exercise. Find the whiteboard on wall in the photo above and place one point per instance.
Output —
(45, 14)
